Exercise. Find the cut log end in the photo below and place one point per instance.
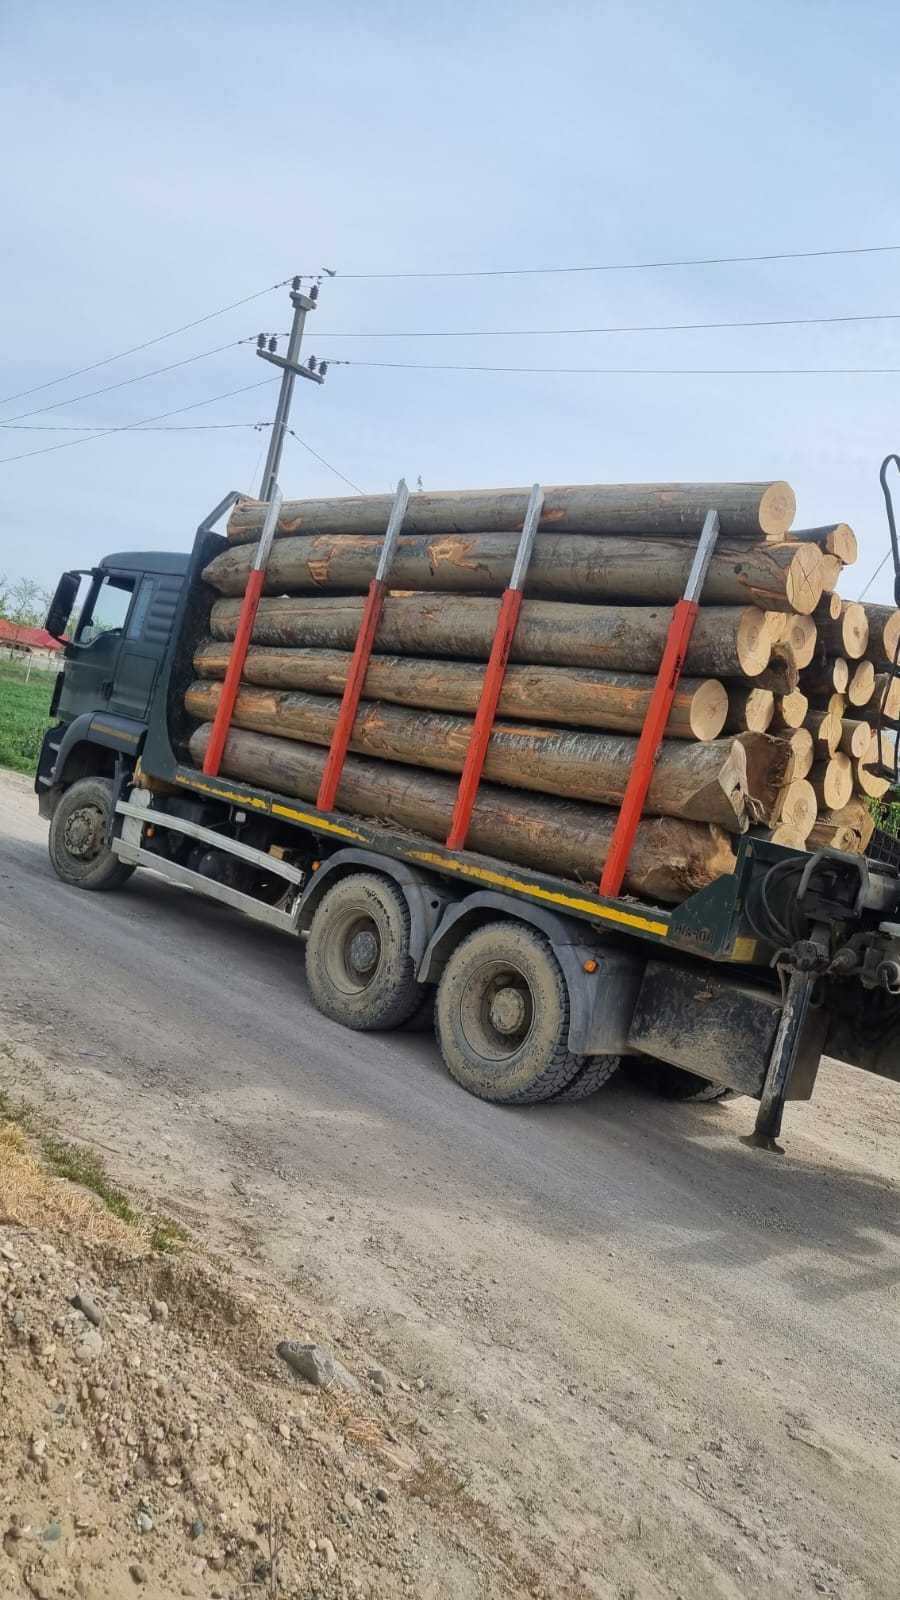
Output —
(861, 685)
(832, 780)
(777, 509)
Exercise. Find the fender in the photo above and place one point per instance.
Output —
(601, 1002)
(426, 898)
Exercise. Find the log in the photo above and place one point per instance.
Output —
(884, 633)
(776, 623)
(727, 640)
(826, 730)
(829, 608)
(834, 836)
(861, 684)
(749, 710)
(856, 739)
(832, 780)
(848, 635)
(782, 677)
(669, 860)
(782, 577)
(798, 645)
(886, 696)
(617, 701)
(697, 782)
(825, 675)
(837, 539)
(831, 573)
(803, 750)
(855, 816)
(795, 807)
(881, 751)
(792, 838)
(745, 510)
(769, 766)
(789, 712)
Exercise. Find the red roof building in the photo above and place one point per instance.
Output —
(14, 635)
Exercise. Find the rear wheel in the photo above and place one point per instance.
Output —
(77, 843)
(358, 965)
(596, 1072)
(676, 1083)
(503, 1016)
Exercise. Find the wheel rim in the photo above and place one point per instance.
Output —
(84, 832)
(496, 1011)
(353, 952)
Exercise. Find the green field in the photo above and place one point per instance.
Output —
(23, 713)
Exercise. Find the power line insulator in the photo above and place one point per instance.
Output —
(295, 284)
(311, 363)
(273, 345)
(314, 292)
(260, 341)
(323, 368)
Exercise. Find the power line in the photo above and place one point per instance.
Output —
(343, 477)
(123, 383)
(878, 570)
(135, 349)
(68, 444)
(626, 266)
(646, 327)
(628, 372)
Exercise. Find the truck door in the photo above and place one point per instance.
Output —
(144, 640)
(92, 657)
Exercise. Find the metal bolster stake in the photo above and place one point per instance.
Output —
(788, 1039)
(681, 627)
(362, 651)
(212, 760)
(507, 619)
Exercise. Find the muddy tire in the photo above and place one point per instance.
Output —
(595, 1073)
(358, 965)
(502, 1016)
(79, 853)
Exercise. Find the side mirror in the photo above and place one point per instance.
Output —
(61, 605)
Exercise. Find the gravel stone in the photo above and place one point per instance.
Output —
(89, 1346)
(309, 1361)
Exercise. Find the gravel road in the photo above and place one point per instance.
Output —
(668, 1359)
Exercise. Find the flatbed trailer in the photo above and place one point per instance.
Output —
(543, 986)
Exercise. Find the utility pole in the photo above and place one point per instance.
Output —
(291, 369)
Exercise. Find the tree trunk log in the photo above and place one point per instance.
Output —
(795, 807)
(834, 836)
(782, 577)
(616, 701)
(727, 640)
(825, 675)
(793, 838)
(836, 540)
(832, 781)
(848, 635)
(697, 782)
(746, 510)
(770, 764)
(750, 710)
(884, 633)
(854, 816)
(803, 752)
(790, 712)
(861, 684)
(782, 677)
(886, 697)
(856, 739)
(826, 730)
(832, 568)
(798, 643)
(669, 861)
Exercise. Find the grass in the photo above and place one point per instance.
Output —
(86, 1168)
(23, 714)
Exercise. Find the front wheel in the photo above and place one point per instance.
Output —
(79, 853)
(358, 965)
(503, 1016)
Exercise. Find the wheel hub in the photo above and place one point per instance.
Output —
(508, 1011)
(362, 952)
(83, 833)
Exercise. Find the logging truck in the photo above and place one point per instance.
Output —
(539, 983)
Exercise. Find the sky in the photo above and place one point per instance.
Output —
(171, 160)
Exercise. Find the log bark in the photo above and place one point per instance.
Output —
(856, 739)
(848, 635)
(782, 677)
(837, 539)
(727, 640)
(770, 764)
(697, 782)
(884, 633)
(789, 712)
(782, 577)
(617, 701)
(861, 684)
(825, 675)
(669, 861)
(829, 608)
(750, 710)
(746, 510)
(832, 780)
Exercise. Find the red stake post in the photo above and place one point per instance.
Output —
(362, 651)
(212, 760)
(681, 627)
(495, 672)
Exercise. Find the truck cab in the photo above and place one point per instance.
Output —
(115, 621)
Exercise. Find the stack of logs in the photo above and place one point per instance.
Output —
(772, 728)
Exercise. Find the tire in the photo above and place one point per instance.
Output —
(503, 1016)
(596, 1072)
(676, 1083)
(77, 844)
(358, 965)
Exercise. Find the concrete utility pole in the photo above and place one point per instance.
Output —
(291, 369)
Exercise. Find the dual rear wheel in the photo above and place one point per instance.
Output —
(502, 1007)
